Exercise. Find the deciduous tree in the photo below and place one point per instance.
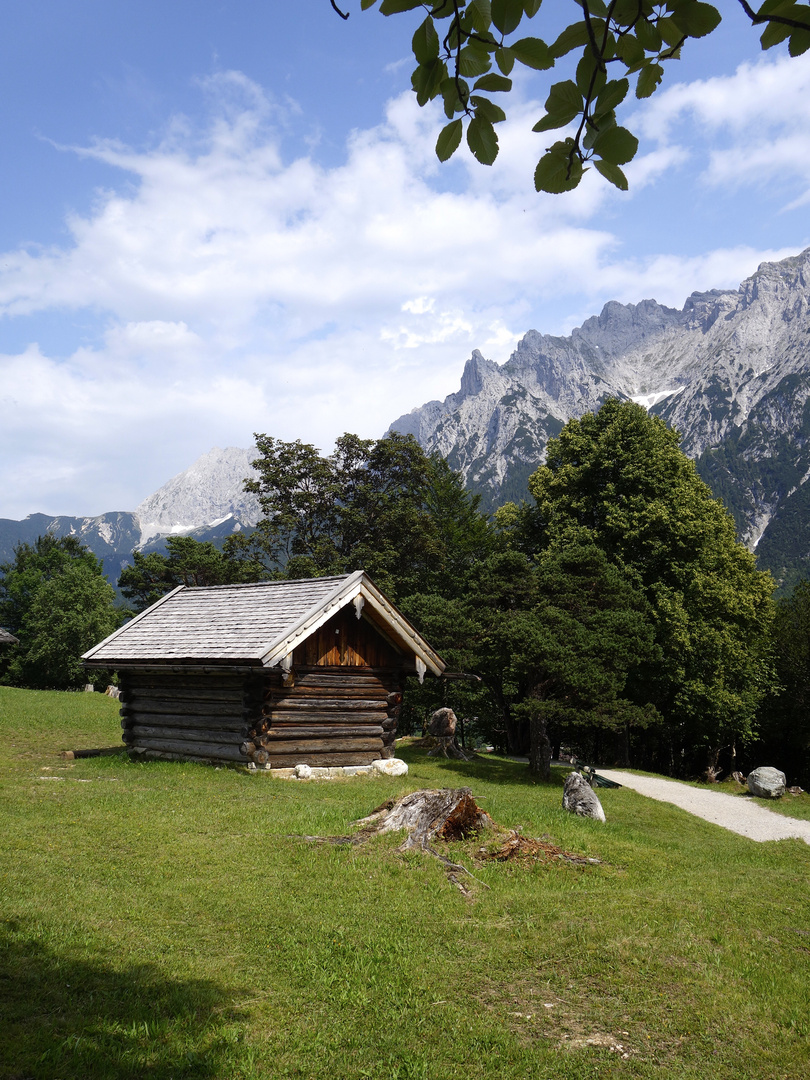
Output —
(621, 475)
(466, 51)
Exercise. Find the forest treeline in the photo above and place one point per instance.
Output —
(613, 611)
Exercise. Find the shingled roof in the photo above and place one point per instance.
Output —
(256, 624)
(6, 638)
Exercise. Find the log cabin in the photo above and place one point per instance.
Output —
(277, 673)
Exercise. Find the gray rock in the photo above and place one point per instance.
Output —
(579, 798)
(767, 783)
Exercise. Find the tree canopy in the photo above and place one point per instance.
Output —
(381, 505)
(466, 50)
(55, 599)
(620, 476)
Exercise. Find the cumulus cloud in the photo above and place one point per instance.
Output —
(757, 122)
(222, 289)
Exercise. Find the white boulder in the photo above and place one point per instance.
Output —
(580, 798)
(389, 767)
(767, 782)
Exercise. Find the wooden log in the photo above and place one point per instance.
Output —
(261, 757)
(220, 751)
(379, 693)
(318, 746)
(323, 704)
(225, 723)
(233, 707)
(347, 716)
(145, 731)
(289, 761)
(191, 694)
(302, 731)
(192, 686)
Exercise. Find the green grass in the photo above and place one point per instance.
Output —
(165, 920)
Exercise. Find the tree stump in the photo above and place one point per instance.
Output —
(442, 727)
(448, 814)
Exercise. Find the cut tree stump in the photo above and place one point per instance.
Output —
(448, 814)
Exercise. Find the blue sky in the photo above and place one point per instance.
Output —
(226, 217)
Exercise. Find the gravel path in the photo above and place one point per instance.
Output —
(740, 815)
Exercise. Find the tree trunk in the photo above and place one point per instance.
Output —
(540, 749)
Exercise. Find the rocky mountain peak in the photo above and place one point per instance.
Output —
(207, 492)
(730, 370)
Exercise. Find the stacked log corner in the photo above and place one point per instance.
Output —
(327, 717)
(189, 716)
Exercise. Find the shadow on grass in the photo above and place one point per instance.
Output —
(498, 770)
(69, 1017)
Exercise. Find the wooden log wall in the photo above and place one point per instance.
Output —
(327, 716)
(189, 716)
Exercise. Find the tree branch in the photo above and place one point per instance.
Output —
(757, 20)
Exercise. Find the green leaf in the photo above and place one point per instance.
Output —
(392, 7)
(531, 7)
(648, 36)
(573, 37)
(555, 173)
(505, 59)
(449, 140)
(506, 15)
(427, 79)
(493, 83)
(799, 42)
(564, 102)
(611, 95)
(533, 52)
(774, 34)
(589, 75)
(648, 80)
(425, 42)
(612, 173)
(630, 50)
(366, 4)
(616, 145)
(598, 9)
(670, 32)
(456, 94)
(484, 107)
(442, 9)
(482, 140)
(480, 13)
(695, 18)
(473, 61)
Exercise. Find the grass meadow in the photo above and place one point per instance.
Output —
(167, 920)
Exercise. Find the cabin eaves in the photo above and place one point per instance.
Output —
(256, 624)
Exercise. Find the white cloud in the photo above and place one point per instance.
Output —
(232, 290)
(755, 123)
